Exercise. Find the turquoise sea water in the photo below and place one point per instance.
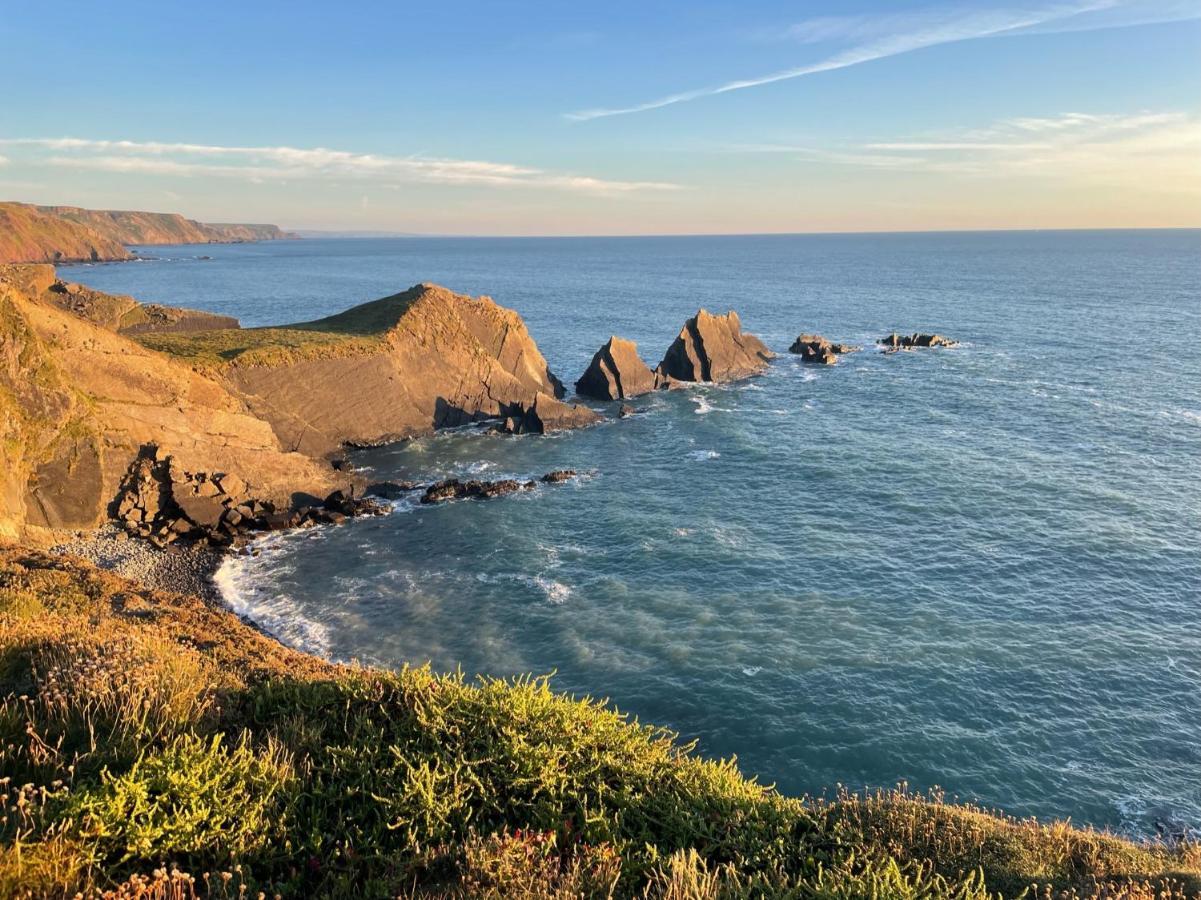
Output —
(977, 568)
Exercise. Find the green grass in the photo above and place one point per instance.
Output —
(145, 736)
(356, 330)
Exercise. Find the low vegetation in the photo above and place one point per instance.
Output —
(356, 330)
(154, 746)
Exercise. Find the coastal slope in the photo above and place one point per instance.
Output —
(392, 368)
(152, 742)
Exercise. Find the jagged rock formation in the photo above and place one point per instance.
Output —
(813, 348)
(455, 489)
(616, 372)
(31, 233)
(79, 401)
(714, 348)
(393, 368)
(894, 342)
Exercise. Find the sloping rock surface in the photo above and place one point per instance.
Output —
(402, 366)
(616, 372)
(714, 348)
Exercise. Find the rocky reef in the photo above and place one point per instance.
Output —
(894, 342)
(813, 348)
(714, 349)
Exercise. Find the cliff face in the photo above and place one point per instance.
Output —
(70, 234)
(28, 234)
(423, 359)
(78, 401)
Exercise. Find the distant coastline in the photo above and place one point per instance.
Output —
(61, 234)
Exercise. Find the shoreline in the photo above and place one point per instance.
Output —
(178, 569)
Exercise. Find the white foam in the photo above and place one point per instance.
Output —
(752, 671)
(556, 591)
(702, 406)
(702, 455)
(270, 609)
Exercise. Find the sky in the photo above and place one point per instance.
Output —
(527, 118)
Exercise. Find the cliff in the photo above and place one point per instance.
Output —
(78, 401)
(133, 227)
(28, 234)
(393, 368)
(31, 233)
(88, 381)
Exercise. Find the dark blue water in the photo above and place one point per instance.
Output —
(977, 568)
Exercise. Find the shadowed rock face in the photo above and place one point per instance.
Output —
(545, 414)
(813, 348)
(616, 372)
(714, 348)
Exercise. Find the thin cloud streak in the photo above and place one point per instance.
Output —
(258, 164)
(893, 35)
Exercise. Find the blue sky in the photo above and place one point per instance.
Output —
(575, 118)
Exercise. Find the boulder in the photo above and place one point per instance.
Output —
(813, 348)
(558, 476)
(894, 342)
(616, 372)
(713, 348)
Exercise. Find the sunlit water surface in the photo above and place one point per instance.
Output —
(977, 568)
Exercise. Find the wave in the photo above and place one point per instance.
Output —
(252, 597)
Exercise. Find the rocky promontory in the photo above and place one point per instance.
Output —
(90, 389)
(393, 368)
(616, 373)
(713, 349)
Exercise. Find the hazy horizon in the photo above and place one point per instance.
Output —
(538, 120)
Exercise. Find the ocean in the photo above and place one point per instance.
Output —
(976, 568)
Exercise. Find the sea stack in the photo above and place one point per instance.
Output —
(714, 348)
(616, 372)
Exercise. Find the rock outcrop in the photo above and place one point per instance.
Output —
(393, 368)
(813, 348)
(616, 372)
(78, 402)
(122, 313)
(455, 489)
(545, 414)
(894, 342)
(713, 349)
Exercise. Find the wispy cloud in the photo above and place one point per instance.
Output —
(1140, 149)
(260, 164)
(3, 160)
(878, 37)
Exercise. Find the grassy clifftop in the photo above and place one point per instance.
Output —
(157, 747)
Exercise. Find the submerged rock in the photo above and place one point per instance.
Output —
(616, 372)
(454, 489)
(813, 348)
(894, 342)
(713, 348)
(558, 476)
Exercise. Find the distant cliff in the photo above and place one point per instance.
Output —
(70, 234)
(29, 235)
